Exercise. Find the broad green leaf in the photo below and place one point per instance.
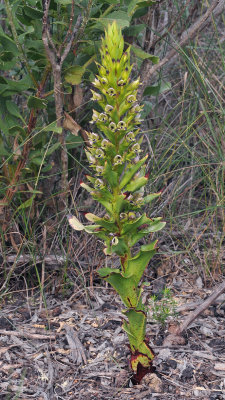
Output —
(124, 286)
(53, 128)
(7, 42)
(6, 56)
(64, 2)
(3, 151)
(121, 17)
(128, 175)
(110, 175)
(120, 248)
(37, 161)
(14, 130)
(157, 89)
(74, 74)
(36, 103)
(147, 199)
(109, 225)
(53, 148)
(143, 55)
(73, 142)
(137, 264)
(33, 13)
(134, 30)
(154, 227)
(136, 326)
(136, 184)
(13, 109)
(130, 226)
(135, 4)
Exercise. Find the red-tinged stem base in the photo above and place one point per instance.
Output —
(141, 372)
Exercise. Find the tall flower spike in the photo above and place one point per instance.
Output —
(115, 155)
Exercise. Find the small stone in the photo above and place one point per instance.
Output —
(164, 354)
(219, 366)
(199, 283)
(206, 331)
(153, 382)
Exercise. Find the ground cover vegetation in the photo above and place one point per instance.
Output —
(49, 56)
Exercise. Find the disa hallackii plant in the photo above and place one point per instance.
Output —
(118, 180)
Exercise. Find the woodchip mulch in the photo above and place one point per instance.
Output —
(74, 349)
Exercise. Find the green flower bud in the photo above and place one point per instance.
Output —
(121, 82)
(123, 216)
(136, 148)
(96, 83)
(103, 117)
(104, 81)
(131, 215)
(105, 143)
(93, 137)
(138, 200)
(138, 119)
(131, 98)
(130, 136)
(118, 159)
(94, 117)
(108, 108)
(96, 96)
(134, 85)
(99, 153)
(99, 169)
(136, 108)
(111, 92)
(112, 126)
(99, 184)
(121, 125)
(92, 160)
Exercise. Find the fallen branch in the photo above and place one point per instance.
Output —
(27, 335)
(202, 307)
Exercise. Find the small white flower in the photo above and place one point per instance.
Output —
(118, 159)
(92, 160)
(103, 117)
(93, 137)
(112, 126)
(121, 82)
(96, 83)
(99, 184)
(136, 148)
(96, 96)
(108, 108)
(114, 241)
(99, 169)
(94, 117)
(99, 153)
(105, 143)
(104, 81)
(131, 98)
(136, 108)
(121, 125)
(111, 92)
(130, 136)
